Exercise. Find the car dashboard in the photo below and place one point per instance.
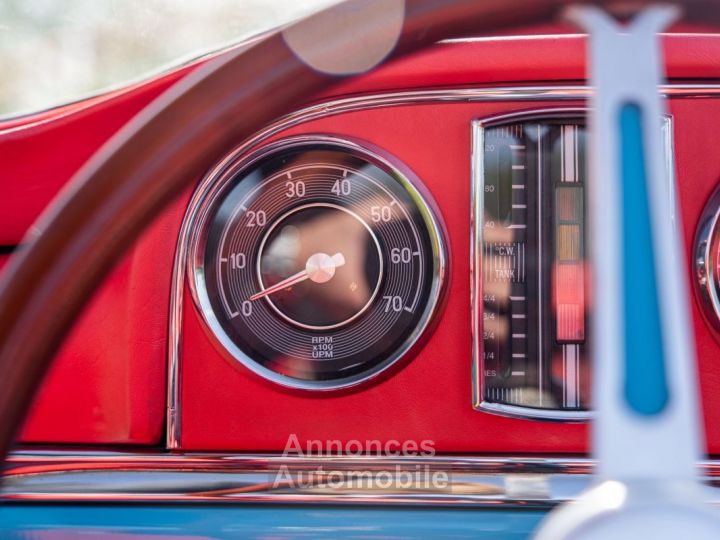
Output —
(394, 277)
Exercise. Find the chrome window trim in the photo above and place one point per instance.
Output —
(122, 477)
(332, 107)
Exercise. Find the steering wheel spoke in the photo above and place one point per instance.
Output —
(647, 434)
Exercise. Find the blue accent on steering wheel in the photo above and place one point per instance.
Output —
(646, 389)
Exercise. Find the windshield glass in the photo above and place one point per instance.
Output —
(57, 51)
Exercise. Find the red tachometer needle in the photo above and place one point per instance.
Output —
(319, 268)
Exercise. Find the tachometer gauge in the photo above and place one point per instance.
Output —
(316, 263)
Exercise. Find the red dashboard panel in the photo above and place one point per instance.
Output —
(108, 384)
(66, 137)
(430, 399)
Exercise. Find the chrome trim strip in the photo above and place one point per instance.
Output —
(541, 289)
(343, 105)
(530, 413)
(93, 476)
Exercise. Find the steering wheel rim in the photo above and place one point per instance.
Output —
(174, 141)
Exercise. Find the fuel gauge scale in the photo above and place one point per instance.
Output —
(530, 308)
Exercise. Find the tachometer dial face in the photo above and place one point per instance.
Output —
(317, 264)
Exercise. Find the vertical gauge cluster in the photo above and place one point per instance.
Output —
(316, 263)
(530, 301)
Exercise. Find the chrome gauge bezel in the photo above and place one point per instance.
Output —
(705, 271)
(218, 181)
